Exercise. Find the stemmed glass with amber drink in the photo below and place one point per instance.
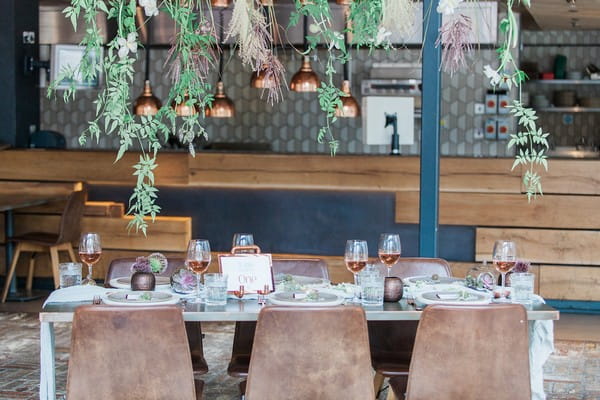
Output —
(356, 257)
(90, 250)
(197, 260)
(504, 259)
(389, 249)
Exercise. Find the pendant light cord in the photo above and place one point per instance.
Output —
(221, 22)
(148, 43)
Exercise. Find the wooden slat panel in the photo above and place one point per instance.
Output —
(165, 234)
(488, 209)
(89, 166)
(53, 189)
(305, 172)
(479, 175)
(543, 245)
(572, 177)
(92, 209)
(570, 283)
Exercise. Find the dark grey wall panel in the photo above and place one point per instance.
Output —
(282, 221)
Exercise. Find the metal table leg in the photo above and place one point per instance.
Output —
(8, 232)
(47, 367)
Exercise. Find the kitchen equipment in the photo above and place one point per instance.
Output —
(564, 98)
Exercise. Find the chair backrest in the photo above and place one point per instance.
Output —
(395, 340)
(310, 353)
(470, 353)
(70, 220)
(150, 359)
(120, 267)
(415, 266)
(313, 267)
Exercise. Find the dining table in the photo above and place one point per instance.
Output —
(245, 310)
(15, 195)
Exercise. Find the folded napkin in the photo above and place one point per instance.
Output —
(77, 293)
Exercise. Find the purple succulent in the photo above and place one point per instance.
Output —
(141, 264)
(521, 266)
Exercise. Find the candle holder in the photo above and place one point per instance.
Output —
(393, 289)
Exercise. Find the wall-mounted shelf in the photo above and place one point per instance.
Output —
(566, 81)
(568, 109)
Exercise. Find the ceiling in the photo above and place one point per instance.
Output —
(543, 14)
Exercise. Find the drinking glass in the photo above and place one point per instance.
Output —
(504, 258)
(356, 257)
(216, 289)
(69, 274)
(90, 250)
(522, 287)
(389, 249)
(197, 261)
(242, 239)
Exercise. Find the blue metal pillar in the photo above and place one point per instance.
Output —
(430, 133)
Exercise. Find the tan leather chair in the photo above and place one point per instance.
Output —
(36, 242)
(392, 341)
(304, 353)
(244, 331)
(470, 353)
(120, 267)
(150, 359)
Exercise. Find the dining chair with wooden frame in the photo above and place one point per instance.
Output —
(121, 267)
(244, 330)
(469, 353)
(150, 360)
(392, 341)
(37, 242)
(310, 353)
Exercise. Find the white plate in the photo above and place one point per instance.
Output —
(453, 296)
(287, 299)
(124, 282)
(132, 299)
(427, 280)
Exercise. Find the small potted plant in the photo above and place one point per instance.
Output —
(143, 270)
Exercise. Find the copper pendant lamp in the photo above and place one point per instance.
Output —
(222, 106)
(147, 103)
(220, 3)
(305, 80)
(183, 109)
(350, 107)
(260, 80)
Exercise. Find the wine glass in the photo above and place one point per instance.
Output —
(356, 257)
(89, 252)
(504, 259)
(242, 239)
(389, 249)
(197, 261)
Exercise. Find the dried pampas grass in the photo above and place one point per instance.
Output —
(398, 16)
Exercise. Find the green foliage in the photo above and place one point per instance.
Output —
(531, 143)
(190, 57)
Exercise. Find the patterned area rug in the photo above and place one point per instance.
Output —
(572, 372)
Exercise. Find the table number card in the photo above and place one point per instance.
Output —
(253, 271)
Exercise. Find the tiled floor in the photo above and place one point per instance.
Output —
(572, 372)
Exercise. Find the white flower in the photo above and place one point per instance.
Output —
(447, 7)
(127, 45)
(314, 29)
(150, 8)
(383, 36)
(338, 38)
(492, 74)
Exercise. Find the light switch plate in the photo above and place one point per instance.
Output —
(479, 109)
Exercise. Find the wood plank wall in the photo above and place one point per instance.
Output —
(559, 229)
(559, 232)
